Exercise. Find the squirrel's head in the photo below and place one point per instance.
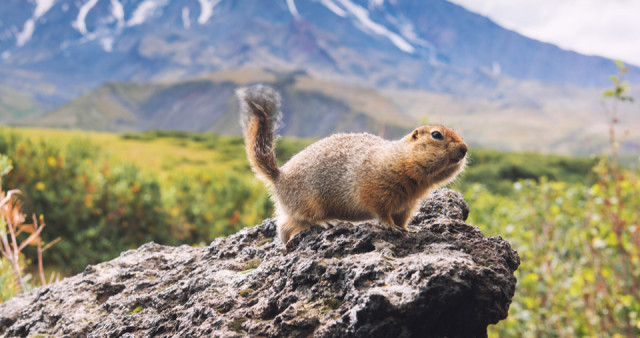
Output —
(440, 152)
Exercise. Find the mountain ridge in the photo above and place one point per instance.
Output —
(430, 45)
(513, 119)
(312, 108)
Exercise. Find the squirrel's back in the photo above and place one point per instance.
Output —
(326, 175)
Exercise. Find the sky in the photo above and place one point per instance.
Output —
(609, 28)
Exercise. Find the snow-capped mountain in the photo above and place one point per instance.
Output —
(58, 49)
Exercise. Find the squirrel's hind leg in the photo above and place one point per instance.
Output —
(397, 221)
(400, 219)
(385, 218)
(289, 227)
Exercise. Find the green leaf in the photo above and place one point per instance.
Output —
(619, 63)
(621, 67)
(5, 165)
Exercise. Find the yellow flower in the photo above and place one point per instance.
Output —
(40, 186)
(174, 212)
(52, 161)
(88, 201)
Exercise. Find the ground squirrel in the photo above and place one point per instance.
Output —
(352, 177)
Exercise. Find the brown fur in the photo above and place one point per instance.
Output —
(351, 177)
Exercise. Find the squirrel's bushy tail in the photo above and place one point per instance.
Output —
(259, 114)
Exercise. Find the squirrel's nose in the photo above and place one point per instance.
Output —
(459, 154)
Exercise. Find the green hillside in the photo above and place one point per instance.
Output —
(312, 108)
(15, 105)
(526, 116)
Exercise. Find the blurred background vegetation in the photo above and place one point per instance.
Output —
(106, 193)
(573, 220)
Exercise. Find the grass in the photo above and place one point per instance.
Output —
(162, 155)
(168, 153)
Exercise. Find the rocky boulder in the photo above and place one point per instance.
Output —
(442, 278)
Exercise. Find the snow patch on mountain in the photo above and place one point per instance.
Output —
(145, 10)
(407, 30)
(206, 10)
(186, 21)
(118, 12)
(332, 6)
(107, 43)
(42, 7)
(80, 24)
(369, 26)
(25, 34)
(496, 69)
(292, 8)
(375, 3)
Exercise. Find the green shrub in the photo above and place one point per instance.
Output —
(497, 171)
(580, 255)
(99, 209)
(8, 287)
(100, 206)
(208, 205)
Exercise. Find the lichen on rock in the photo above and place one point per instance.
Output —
(442, 278)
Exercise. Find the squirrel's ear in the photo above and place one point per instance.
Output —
(415, 134)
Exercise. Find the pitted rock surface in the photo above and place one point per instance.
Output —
(442, 278)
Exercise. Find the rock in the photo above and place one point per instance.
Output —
(443, 278)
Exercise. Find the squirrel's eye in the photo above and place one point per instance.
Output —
(436, 135)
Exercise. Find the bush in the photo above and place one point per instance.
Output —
(101, 206)
(99, 209)
(8, 286)
(206, 205)
(497, 171)
(580, 255)
(16, 234)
